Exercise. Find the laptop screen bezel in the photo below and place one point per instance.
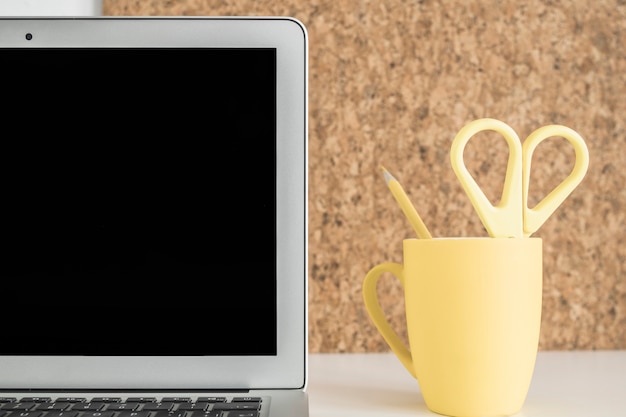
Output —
(287, 369)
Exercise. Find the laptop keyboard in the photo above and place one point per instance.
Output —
(237, 406)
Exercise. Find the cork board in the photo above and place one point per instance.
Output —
(391, 82)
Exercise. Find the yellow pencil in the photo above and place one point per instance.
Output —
(406, 206)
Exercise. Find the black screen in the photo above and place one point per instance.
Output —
(138, 201)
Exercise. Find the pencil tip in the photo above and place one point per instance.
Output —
(388, 176)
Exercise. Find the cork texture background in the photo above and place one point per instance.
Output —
(391, 83)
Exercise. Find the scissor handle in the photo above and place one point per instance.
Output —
(505, 219)
(536, 216)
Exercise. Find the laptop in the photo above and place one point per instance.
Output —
(154, 234)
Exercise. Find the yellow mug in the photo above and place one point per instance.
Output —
(473, 315)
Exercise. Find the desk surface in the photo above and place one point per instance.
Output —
(567, 384)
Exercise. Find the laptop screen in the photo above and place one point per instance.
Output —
(154, 197)
(132, 182)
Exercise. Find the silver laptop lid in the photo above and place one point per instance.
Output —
(156, 199)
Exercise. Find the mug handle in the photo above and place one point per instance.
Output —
(370, 296)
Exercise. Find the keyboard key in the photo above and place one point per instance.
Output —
(56, 406)
(98, 414)
(237, 406)
(134, 414)
(158, 406)
(61, 414)
(90, 406)
(26, 414)
(216, 413)
(17, 406)
(243, 413)
(122, 406)
(197, 406)
(170, 414)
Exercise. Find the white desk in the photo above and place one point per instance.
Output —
(565, 384)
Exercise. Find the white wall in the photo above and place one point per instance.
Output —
(50, 7)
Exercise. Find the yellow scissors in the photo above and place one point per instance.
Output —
(512, 217)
